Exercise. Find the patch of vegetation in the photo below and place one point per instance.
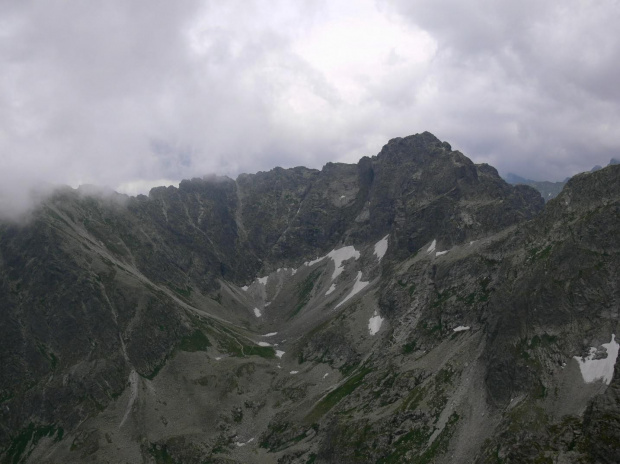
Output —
(304, 291)
(186, 292)
(156, 369)
(335, 396)
(347, 368)
(266, 352)
(283, 435)
(160, 454)
(411, 289)
(440, 445)
(56, 216)
(30, 435)
(431, 329)
(48, 355)
(414, 399)
(441, 298)
(484, 288)
(410, 347)
(536, 254)
(469, 300)
(527, 416)
(227, 341)
(544, 340)
(240, 350)
(413, 440)
(237, 415)
(197, 341)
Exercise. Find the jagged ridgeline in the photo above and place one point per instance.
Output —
(412, 307)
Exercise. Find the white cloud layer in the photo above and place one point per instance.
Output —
(126, 94)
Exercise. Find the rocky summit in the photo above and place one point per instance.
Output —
(410, 308)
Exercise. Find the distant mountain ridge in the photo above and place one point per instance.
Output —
(547, 189)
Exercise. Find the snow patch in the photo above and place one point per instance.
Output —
(240, 444)
(264, 344)
(461, 328)
(312, 263)
(432, 247)
(270, 334)
(294, 372)
(245, 288)
(381, 247)
(326, 374)
(374, 323)
(279, 353)
(257, 312)
(357, 287)
(331, 289)
(439, 253)
(599, 369)
(263, 280)
(339, 256)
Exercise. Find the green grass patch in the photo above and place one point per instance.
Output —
(266, 352)
(48, 355)
(30, 435)
(160, 454)
(411, 290)
(197, 341)
(186, 292)
(414, 439)
(335, 396)
(537, 254)
(441, 298)
(441, 443)
(304, 291)
(414, 398)
(410, 347)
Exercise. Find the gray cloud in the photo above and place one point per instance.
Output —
(531, 85)
(134, 93)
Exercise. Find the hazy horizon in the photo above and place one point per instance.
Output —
(132, 94)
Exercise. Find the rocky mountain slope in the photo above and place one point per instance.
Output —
(412, 307)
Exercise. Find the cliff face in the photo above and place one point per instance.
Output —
(412, 307)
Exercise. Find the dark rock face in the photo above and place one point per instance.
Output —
(138, 328)
(602, 424)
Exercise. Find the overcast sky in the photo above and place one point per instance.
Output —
(131, 94)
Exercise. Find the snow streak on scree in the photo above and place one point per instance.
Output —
(357, 287)
(330, 289)
(381, 247)
(432, 247)
(461, 328)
